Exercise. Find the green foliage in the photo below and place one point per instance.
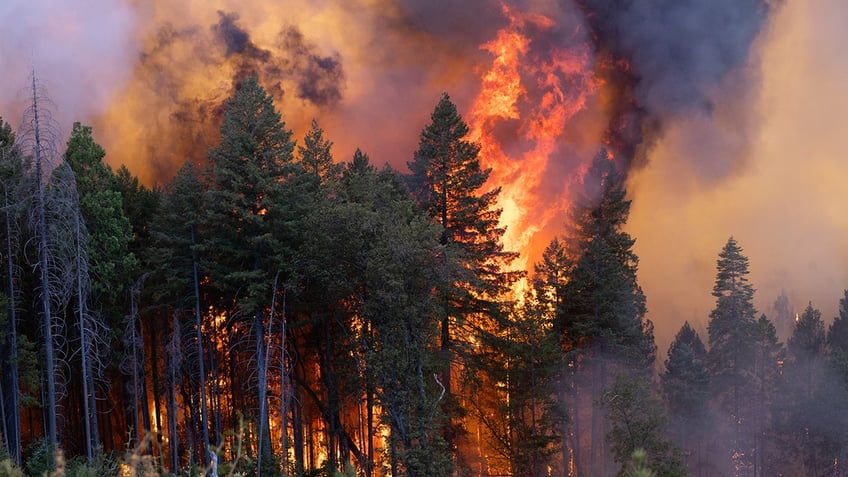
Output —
(9, 469)
(109, 230)
(638, 421)
(101, 466)
(244, 200)
(39, 458)
(316, 157)
(446, 182)
(731, 359)
(640, 465)
(175, 234)
(603, 304)
(685, 381)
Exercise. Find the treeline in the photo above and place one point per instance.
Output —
(277, 312)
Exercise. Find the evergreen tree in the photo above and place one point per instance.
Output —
(175, 263)
(246, 173)
(316, 157)
(731, 355)
(102, 207)
(639, 422)
(604, 305)
(602, 316)
(807, 429)
(526, 421)
(768, 356)
(108, 262)
(835, 392)
(549, 281)
(685, 384)
(448, 183)
(837, 340)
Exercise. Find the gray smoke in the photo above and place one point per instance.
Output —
(686, 60)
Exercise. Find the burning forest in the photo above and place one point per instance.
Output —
(410, 238)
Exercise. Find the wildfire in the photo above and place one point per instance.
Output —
(527, 99)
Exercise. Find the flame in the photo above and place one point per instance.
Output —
(520, 119)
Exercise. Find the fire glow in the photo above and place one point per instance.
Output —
(536, 97)
(539, 83)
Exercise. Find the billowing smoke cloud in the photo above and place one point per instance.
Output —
(674, 60)
(700, 93)
(785, 207)
(81, 52)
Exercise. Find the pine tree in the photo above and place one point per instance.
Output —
(246, 173)
(639, 422)
(731, 355)
(104, 248)
(603, 311)
(768, 357)
(685, 384)
(316, 157)
(604, 305)
(549, 281)
(836, 382)
(448, 183)
(807, 431)
(176, 266)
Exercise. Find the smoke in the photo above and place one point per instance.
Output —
(716, 101)
(784, 207)
(674, 60)
(81, 53)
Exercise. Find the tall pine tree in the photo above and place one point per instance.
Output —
(246, 174)
(603, 311)
(449, 184)
(731, 356)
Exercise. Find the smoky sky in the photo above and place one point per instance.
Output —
(679, 49)
(682, 57)
(237, 39)
(319, 79)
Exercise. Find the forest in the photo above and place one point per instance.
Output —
(278, 311)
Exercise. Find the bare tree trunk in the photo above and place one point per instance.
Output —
(201, 372)
(86, 345)
(174, 361)
(285, 392)
(154, 376)
(46, 309)
(297, 437)
(12, 413)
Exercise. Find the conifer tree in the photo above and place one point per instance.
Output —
(549, 281)
(731, 356)
(176, 268)
(604, 305)
(105, 262)
(768, 356)
(685, 384)
(807, 430)
(448, 183)
(603, 311)
(246, 173)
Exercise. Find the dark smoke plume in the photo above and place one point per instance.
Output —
(182, 105)
(237, 39)
(672, 59)
(319, 78)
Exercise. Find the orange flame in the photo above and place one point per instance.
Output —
(537, 95)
